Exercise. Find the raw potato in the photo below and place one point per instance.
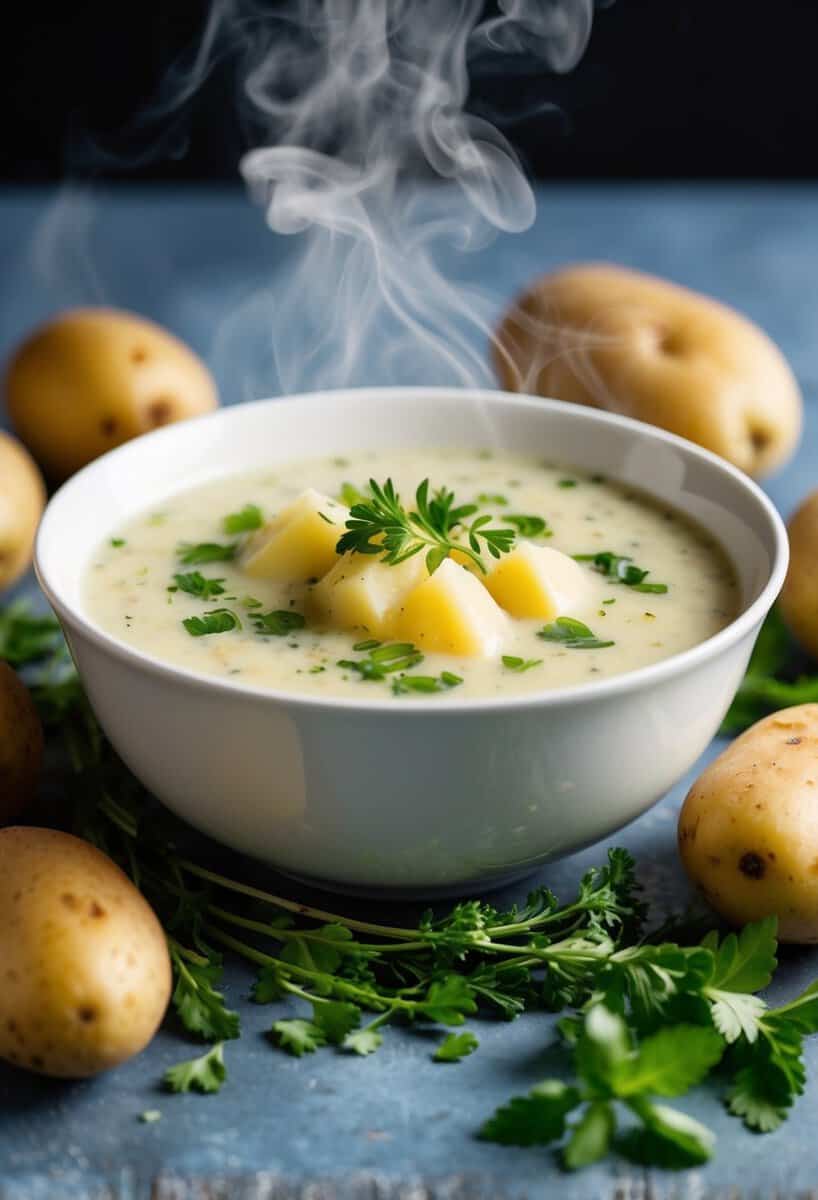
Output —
(93, 378)
(84, 968)
(799, 599)
(22, 499)
(630, 343)
(21, 748)
(748, 829)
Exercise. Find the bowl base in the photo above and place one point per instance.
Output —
(445, 891)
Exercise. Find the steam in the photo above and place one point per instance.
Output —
(366, 156)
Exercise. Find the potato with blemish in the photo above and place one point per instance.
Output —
(799, 598)
(630, 343)
(84, 967)
(22, 499)
(748, 829)
(93, 378)
(21, 747)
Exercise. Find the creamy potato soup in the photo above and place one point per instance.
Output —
(241, 578)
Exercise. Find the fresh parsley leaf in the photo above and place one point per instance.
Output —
(513, 663)
(382, 661)
(743, 964)
(219, 620)
(449, 1001)
(668, 1063)
(572, 633)
(492, 498)
(251, 602)
(363, 1041)
(248, 518)
(533, 1120)
(336, 1019)
(25, 637)
(195, 584)
(199, 1006)
(670, 1138)
(323, 952)
(620, 568)
(381, 525)
(567, 483)
(456, 1046)
(204, 1074)
(268, 985)
(368, 644)
(591, 1136)
(351, 495)
(278, 623)
(204, 552)
(118, 542)
(298, 1037)
(528, 526)
(150, 1116)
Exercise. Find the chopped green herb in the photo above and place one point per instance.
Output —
(150, 1116)
(204, 1074)
(456, 1046)
(279, 623)
(219, 620)
(251, 602)
(384, 660)
(316, 670)
(324, 517)
(25, 637)
(351, 495)
(612, 601)
(567, 483)
(117, 542)
(383, 526)
(205, 552)
(492, 498)
(621, 569)
(250, 517)
(425, 683)
(528, 526)
(512, 663)
(573, 634)
(195, 584)
(369, 644)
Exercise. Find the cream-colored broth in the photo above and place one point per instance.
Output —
(127, 584)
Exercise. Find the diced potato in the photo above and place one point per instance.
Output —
(361, 591)
(539, 582)
(299, 543)
(451, 613)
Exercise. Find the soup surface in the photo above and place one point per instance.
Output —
(628, 619)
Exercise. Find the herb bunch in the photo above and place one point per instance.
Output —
(649, 1017)
(774, 678)
(381, 525)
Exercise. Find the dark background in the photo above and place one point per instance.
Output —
(667, 88)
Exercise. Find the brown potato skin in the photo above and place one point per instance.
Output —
(22, 500)
(631, 343)
(748, 829)
(85, 973)
(799, 598)
(21, 747)
(93, 378)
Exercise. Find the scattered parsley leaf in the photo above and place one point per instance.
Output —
(492, 498)
(205, 552)
(200, 1008)
(298, 1037)
(278, 623)
(567, 483)
(449, 1001)
(363, 1041)
(219, 620)
(118, 542)
(25, 637)
(444, 682)
(247, 519)
(251, 602)
(336, 1019)
(205, 1074)
(383, 660)
(150, 1116)
(456, 1046)
(572, 633)
(195, 584)
(533, 1120)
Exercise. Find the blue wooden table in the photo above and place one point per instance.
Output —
(193, 260)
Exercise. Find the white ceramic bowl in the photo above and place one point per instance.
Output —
(443, 794)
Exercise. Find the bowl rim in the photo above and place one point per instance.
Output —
(448, 705)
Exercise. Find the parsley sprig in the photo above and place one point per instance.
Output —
(620, 568)
(381, 525)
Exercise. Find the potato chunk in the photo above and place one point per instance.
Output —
(451, 613)
(536, 581)
(299, 543)
(361, 591)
